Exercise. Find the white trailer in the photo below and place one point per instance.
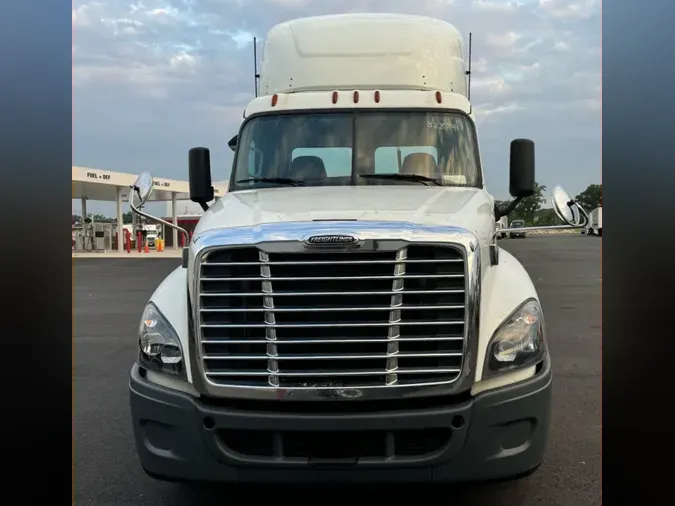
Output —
(344, 311)
(595, 222)
(502, 225)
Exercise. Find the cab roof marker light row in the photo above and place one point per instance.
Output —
(356, 97)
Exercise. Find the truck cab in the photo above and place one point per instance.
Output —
(502, 225)
(150, 235)
(344, 313)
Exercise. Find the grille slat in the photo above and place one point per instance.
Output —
(342, 262)
(345, 356)
(327, 319)
(338, 278)
(312, 372)
(327, 341)
(322, 325)
(303, 309)
(282, 294)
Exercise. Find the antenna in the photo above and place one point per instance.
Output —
(468, 72)
(256, 76)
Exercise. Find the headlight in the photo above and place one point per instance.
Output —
(518, 342)
(160, 348)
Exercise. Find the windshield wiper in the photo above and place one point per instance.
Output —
(402, 177)
(280, 180)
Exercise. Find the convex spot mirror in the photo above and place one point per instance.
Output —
(142, 189)
(233, 143)
(566, 208)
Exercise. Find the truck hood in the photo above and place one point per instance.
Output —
(468, 208)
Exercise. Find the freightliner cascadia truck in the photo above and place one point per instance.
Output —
(344, 312)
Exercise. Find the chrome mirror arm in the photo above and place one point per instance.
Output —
(150, 217)
(583, 213)
(494, 249)
(532, 229)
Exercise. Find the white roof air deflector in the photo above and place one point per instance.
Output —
(363, 51)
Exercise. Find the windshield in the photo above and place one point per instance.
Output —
(357, 148)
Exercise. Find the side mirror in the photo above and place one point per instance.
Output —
(201, 190)
(566, 208)
(521, 167)
(233, 143)
(141, 189)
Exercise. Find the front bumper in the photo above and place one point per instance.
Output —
(502, 433)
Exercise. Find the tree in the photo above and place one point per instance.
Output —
(529, 206)
(516, 214)
(529, 209)
(513, 215)
(502, 204)
(547, 217)
(100, 218)
(591, 197)
(127, 218)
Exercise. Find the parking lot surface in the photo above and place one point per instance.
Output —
(110, 295)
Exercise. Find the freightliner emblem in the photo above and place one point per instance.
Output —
(337, 240)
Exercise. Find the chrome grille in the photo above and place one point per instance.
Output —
(326, 319)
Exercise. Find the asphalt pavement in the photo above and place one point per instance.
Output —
(110, 295)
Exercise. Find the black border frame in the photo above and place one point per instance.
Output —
(35, 149)
(638, 125)
(638, 78)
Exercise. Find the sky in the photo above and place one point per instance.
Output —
(153, 78)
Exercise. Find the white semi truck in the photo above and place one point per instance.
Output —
(502, 225)
(595, 222)
(343, 314)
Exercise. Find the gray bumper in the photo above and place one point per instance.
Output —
(504, 434)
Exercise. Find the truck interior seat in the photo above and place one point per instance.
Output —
(422, 164)
(308, 168)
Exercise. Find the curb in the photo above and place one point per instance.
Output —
(144, 256)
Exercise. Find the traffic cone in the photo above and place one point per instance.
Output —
(146, 249)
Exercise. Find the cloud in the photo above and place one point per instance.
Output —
(564, 9)
(152, 78)
(561, 46)
(495, 6)
(504, 41)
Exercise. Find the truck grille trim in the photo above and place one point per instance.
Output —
(325, 319)
(313, 294)
(374, 308)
